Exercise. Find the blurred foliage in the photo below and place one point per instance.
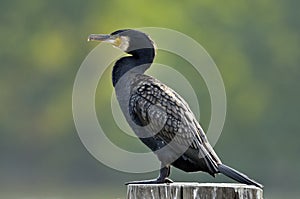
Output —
(255, 44)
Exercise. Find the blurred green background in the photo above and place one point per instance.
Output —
(255, 44)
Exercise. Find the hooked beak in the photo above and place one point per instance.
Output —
(115, 40)
(100, 37)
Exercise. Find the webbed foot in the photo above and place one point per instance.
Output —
(153, 181)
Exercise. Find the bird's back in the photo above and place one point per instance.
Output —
(164, 122)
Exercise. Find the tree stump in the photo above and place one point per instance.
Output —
(193, 191)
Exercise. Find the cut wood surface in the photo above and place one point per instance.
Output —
(193, 191)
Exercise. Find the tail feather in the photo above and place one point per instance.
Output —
(238, 176)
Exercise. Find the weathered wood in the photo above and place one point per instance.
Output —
(193, 191)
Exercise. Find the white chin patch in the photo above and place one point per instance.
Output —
(124, 43)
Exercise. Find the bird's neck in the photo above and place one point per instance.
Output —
(139, 61)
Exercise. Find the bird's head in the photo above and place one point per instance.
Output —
(127, 40)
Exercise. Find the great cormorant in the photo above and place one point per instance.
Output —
(158, 115)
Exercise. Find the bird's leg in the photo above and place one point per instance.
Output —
(162, 178)
(164, 173)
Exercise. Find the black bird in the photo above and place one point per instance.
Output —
(158, 115)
